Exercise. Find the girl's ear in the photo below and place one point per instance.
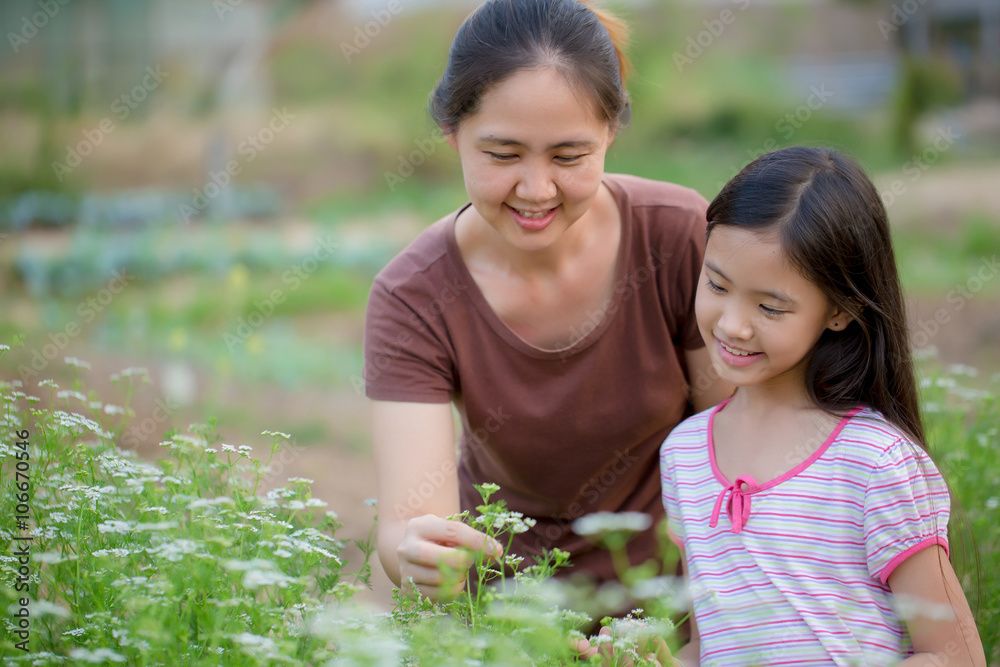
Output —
(839, 320)
(449, 136)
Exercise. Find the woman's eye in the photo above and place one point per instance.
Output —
(771, 311)
(714, 287)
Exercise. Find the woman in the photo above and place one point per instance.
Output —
(554, 310)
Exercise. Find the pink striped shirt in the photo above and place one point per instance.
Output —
(794, 570)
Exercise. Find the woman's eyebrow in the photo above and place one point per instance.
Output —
(501, 141)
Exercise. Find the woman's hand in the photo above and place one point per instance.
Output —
(430, 558)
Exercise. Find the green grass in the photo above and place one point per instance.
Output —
(949, 258)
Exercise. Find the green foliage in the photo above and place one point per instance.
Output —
(925, 85)
(178, 561)
(962, 421)
(934, 263)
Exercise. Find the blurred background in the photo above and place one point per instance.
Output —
(207, 188)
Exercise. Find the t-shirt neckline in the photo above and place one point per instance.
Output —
(620, 195)
(801, 467)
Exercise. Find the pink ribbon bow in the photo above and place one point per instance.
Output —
(738, 507)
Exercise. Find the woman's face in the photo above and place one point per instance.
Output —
(533, 157)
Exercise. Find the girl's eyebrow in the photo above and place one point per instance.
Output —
(501, 141)
(774, 294)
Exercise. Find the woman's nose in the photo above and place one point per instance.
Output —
(536, 185)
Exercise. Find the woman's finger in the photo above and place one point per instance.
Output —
(431, 555)
(454, 534)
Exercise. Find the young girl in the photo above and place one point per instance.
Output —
(813, 522)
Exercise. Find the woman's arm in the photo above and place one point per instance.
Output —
(707, 389)
(937, 614)
(417, 479)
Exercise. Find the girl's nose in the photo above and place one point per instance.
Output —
(734, 324)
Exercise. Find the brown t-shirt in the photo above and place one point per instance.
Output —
(563, 433)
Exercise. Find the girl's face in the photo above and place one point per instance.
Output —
(533, 157)
(759, 316)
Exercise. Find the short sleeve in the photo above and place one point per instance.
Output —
(671, 506)
(685, 248)
(403, 358)
(906, 508)
(691, 266)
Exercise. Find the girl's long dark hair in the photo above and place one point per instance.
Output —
(833, 227)
(503, 37)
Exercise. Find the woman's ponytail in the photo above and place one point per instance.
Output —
(618, 31)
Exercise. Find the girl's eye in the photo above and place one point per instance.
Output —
(771, 311)
(714, 287)
(503, 157)
(568, 159)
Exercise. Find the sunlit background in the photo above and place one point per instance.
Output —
(206, 189)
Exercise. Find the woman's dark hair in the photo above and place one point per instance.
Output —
(503, 37)
(833, 227)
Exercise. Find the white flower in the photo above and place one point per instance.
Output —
(296, 505)
(76, 632)
(50, 557)
(173, 551)
(211, 450)
(44, 607)
(51, 384)
(276, 434)
(114, 527)
(228, 448)
(244, 449)
(599, 523)
(300, 480)
(992, 503)
(256, 641)
(371, 502)
(73, 361)
(97, 656)
(113, 409)
(210, 502)
(161, 525)
(118, 553)
(316, 502)
(257, 578)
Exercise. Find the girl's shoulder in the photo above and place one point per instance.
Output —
(692, 430)
(875, 440)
